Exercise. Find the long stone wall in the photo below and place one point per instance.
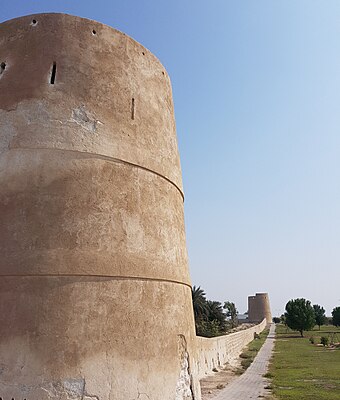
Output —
(215, 352)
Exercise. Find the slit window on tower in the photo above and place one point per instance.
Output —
(133, 109)
(53, 73)
(2, 67)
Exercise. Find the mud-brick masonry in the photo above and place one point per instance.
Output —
(95, 297)
(259, 308)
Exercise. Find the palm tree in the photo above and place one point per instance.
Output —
(231, 313)
(199, 303)
(215, 313)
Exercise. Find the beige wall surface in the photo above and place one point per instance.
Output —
(97, 77)
(95, 298)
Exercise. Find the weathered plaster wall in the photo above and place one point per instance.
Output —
(215, 352)
(259, 308)
(95, 298)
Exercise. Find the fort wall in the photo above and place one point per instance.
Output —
(215, 352)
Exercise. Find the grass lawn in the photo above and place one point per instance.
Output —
(303, 371)
(252, 349)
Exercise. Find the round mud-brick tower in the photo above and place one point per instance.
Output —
(95, 298)
(259, 308)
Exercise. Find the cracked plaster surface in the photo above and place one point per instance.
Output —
(69, 389)
(183, 387)
(82, 117)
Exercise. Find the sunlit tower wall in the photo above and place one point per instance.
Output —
(259, 308)
(95, 297)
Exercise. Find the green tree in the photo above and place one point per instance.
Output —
(208, 328)
(231, 313)
(320, 317)
(215, 313)
(336, 316)
(300, 315)
(199, 302)
(210, 320)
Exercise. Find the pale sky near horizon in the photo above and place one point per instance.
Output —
(256, 87)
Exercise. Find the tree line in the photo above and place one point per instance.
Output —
(211, 317)
(301, 315)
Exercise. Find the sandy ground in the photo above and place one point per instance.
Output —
(212, 384)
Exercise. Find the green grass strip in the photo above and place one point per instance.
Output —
(301, 370)
(252, 349)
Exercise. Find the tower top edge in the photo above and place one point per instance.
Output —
(70, 17)
(262, 294)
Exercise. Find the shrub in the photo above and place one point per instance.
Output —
(246, 363)
(208, 328)
(324, 340)
(238, 371)
(268, 375)
(312, 340)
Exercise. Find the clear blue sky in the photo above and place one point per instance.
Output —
(257, 97)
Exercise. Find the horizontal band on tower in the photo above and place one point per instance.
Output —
(117, 278)
(101, 157)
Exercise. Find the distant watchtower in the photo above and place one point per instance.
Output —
(259, 308)
(95, 297)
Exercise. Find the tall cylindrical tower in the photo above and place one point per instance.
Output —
(95, 298)
(259, 308)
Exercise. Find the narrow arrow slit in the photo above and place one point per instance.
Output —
(53, 73)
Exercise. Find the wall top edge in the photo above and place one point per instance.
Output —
(222, 337)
